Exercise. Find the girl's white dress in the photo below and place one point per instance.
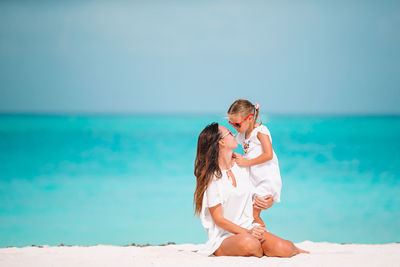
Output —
(237, 206)
(266, 177)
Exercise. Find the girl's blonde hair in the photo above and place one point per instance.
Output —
(244, 107)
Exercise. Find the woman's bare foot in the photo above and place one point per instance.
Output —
(299, 250)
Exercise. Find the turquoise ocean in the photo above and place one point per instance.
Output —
(119, 179)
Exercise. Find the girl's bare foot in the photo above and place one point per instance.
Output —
(259, 221)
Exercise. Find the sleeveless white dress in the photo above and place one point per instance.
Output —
(266, 177)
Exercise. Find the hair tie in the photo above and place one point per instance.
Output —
(256, 106)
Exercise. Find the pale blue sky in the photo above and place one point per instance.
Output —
(198, 56)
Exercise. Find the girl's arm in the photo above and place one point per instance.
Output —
(219, 219)
(264, 157)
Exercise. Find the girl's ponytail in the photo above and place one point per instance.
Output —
(256, 111)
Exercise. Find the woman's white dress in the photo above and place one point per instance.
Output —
(237, 206)
(265, 177)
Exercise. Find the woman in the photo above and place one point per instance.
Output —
(223, 199)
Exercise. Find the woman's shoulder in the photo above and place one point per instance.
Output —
(240, 169)
(213, 184)
(216, 178)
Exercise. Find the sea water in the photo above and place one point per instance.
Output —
(121, 179)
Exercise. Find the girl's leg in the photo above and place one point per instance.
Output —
(240, 245)
(274, 246)
(256, 215)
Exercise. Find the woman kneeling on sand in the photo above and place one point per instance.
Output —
(224, 201)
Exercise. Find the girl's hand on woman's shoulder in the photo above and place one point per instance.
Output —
(236, 155)
(242, 161)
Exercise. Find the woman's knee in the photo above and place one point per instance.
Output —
(251, 246)
(285, 248)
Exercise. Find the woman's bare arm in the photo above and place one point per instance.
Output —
(221, 221)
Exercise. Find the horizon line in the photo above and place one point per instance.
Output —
(175, 113)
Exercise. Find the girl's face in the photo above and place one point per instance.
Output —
(240, 123)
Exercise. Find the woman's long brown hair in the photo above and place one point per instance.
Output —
(206, 163)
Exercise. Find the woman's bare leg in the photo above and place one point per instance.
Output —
(274, 246)
(240, 245)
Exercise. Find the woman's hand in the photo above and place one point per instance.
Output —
(257, 231)
(221, 221)
(263, 203)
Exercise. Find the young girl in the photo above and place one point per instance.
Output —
(259, 156)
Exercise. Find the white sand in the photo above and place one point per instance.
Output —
(322, 254)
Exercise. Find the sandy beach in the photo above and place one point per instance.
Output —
(322, 254)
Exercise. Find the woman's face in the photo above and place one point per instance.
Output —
(228, 139)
